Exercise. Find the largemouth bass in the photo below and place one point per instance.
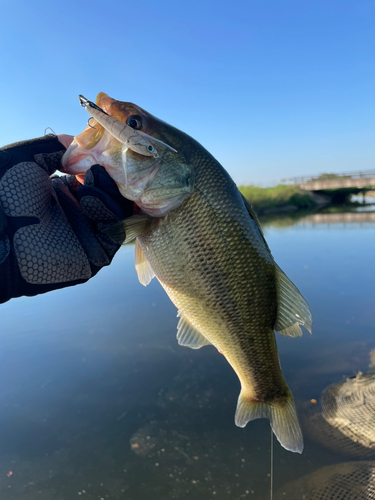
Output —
(209, 253)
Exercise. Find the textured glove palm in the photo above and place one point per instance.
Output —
(50, 228)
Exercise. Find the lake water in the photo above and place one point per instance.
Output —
(98, 401)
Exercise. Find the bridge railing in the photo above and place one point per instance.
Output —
(326, 177)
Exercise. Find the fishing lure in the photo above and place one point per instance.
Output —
(135, 140)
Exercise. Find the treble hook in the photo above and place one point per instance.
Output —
(85, 102)
(88, 122)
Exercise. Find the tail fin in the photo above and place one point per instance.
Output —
(282, 416)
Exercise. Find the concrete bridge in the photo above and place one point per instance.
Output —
(359, 181)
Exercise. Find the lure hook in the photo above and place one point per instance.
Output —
(88, 122)
(85, 102)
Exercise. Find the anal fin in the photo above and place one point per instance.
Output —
(188, 336)
(142, 266)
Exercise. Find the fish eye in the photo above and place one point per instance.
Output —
(134, 121)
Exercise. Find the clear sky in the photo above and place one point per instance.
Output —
(271, 88)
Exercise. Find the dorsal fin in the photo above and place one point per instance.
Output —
(292, 309)
(142, 266)
(188, 336)
(256, 223)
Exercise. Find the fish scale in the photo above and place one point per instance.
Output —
(217, 274)
(202, 240)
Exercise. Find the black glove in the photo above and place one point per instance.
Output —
(50, 228)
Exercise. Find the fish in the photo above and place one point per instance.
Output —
(202, 240)
(133, 139)
(156, 181)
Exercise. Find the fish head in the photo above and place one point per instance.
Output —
(158, 183)
(95, 145)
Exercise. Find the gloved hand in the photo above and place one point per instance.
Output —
(50, 227)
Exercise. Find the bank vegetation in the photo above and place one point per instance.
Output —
(279, 198)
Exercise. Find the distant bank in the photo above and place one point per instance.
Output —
(281, 198)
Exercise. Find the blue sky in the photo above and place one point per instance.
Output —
(271, 88)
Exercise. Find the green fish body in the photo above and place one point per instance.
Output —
(211, 258)
(202, 240)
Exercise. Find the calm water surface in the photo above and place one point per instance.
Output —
(98, 401)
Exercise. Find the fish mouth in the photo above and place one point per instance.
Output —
(74, 163)
(76, 160)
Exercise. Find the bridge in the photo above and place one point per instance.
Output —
(356, 181)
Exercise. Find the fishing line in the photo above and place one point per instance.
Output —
(49, 128)
(271, 496)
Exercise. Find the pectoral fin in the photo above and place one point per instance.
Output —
(188, 336)
(293, 309)
(142, 266)
(128, 229)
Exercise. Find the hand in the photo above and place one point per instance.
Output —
(50, 227)
(65, 140)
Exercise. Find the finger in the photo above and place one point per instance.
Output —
(65, 139)
(80, 178)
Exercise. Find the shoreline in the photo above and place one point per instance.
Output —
(290, 199)
(320, 202)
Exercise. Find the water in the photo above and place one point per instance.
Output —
(98, 401)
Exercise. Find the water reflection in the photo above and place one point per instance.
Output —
(98, 400)
(358, 217)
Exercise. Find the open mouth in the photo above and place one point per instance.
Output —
(74, 164)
